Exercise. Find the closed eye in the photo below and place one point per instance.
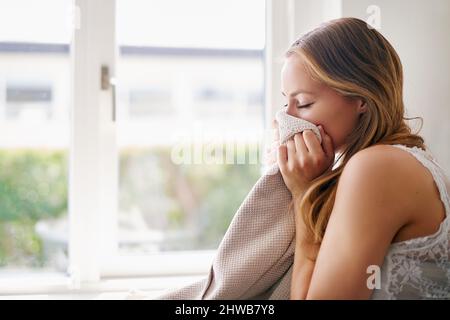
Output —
(303, 106)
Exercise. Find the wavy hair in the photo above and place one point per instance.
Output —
(357, 61)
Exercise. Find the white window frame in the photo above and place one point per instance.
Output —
(93, 180)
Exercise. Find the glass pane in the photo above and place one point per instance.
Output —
(34, 121)
(190, 119)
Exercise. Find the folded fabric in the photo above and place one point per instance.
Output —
(288, 126)
(254, 259)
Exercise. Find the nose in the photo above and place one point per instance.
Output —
(291, 110)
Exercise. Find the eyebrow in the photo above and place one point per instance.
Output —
(296, 93)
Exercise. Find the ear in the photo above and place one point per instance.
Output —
(361, 106)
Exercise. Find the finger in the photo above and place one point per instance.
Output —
(290, 144)
(300, 143)
(282, 158)
(327, 143)
(291, 153)
(312, 142)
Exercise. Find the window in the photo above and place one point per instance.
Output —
(173, 84)
(68, 148)
(34, 121)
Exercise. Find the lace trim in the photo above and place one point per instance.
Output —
(407, 270)
(427, 160)
(404, 259)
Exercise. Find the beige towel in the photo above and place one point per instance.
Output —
(254, 259)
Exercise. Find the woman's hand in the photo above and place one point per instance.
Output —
(303, 159)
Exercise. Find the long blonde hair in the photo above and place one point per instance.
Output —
(356, 61)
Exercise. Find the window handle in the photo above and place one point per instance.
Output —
(109, 83)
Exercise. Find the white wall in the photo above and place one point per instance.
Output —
(420, 32)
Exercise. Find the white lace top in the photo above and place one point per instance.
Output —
(419, 268)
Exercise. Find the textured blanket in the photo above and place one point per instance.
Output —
(255, 257)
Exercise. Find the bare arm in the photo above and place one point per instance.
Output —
(303, 264)
(368, 212)
(301, 276)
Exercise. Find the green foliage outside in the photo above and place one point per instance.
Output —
(33, 186)
(202, 198)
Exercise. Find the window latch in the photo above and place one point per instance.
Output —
(106, 83)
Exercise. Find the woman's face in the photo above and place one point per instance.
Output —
(317, 103)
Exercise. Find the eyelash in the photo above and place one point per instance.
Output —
(303, 106)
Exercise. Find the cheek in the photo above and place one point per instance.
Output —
(338, 122)
(340, 126)
(331, 127)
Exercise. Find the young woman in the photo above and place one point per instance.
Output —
(381, 212)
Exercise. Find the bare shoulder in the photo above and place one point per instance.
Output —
(386, 161)
(399, 185)
(383, 177)
(383, 161)
(383, 155)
